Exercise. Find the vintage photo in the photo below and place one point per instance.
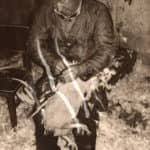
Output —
(74, 75)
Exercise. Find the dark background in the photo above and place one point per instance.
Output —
(17, 11)
(15, 18)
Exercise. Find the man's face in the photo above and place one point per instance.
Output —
(67, 7)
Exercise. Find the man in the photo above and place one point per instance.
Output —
(83, 31)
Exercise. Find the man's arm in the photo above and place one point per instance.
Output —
(41, 30)
(104, 43)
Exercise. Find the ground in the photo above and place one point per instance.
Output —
(126, 126)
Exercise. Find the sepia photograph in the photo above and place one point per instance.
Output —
(74, 74)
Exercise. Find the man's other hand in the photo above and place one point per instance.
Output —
(69, 74)
(25, 95)
(60, 66)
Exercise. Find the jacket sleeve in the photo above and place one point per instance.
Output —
(40, 29)
(104, 41)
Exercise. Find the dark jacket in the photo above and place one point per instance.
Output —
(90, 41)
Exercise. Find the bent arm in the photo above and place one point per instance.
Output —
(40, 30)
(104, 40)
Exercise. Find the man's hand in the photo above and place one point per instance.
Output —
(69, 74)
(59, 68)
(25, 95)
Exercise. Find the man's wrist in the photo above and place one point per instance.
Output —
(82, 72)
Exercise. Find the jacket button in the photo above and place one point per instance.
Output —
(68, 44)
